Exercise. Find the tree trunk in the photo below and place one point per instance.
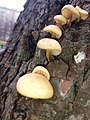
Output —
(22, 55)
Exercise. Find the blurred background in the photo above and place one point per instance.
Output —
(9, 12)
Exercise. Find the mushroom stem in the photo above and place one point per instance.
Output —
(79, 18)
(60, 26)
(53, 35)
(49, 55)
(69, 22)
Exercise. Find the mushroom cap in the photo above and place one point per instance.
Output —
(60, 19)
(41, 70)
(50, 44)
(53, 29)
(70, 8)
(66, 13)
(34, 86)
(83, 13)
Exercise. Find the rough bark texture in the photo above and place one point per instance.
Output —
(22, 55)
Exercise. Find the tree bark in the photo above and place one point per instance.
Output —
(22, 55)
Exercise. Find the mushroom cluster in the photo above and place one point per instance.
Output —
(36, 84)
(73, 13)
(69, 13)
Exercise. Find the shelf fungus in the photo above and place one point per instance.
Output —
(36, 84)
(70, 13)
(51, 46)
(60, 20)
(83, 13)
(54, 30)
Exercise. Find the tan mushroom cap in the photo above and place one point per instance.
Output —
(54, 30)
(60, 19)
(41, 70)
(69, 10)
(83, 13)
(50, 44)
(34, 86)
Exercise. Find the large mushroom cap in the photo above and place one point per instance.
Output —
(41, 70)
(83, 13)
(54, 30)
(34, 86)
(50, 44)
(72, 12)
(60, 19)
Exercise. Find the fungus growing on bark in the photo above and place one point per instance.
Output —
(41, 70)
(70, 13)
(83, 13)
(51, 46)
(60, 20)
(54, 30)
(35, 85)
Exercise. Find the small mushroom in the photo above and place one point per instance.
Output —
(35, 86)
(54, 30)
(83, 13)
(70, 13)
(41, 70)
(60, 20)
(51, 46)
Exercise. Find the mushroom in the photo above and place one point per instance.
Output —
(83, 13)
(70, 13)
(51, 46)
(35, 86)
(54, 30)
(41, 70)
(60, 20)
